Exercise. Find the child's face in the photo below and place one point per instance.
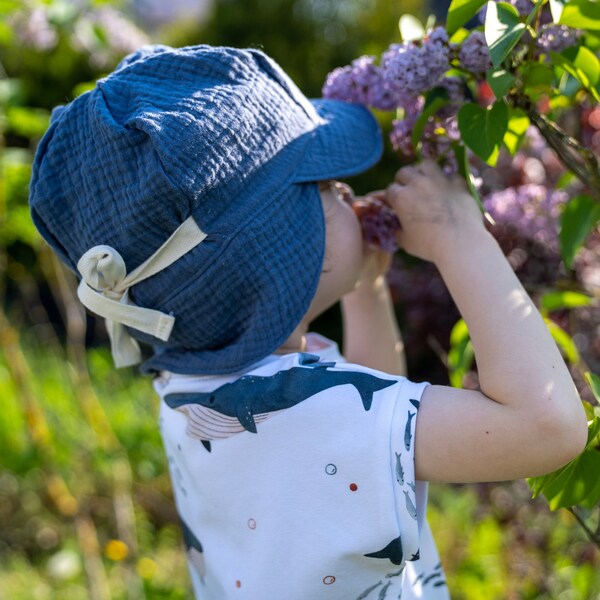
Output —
(343, 248)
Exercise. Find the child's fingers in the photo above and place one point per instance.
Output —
(430, 168)
(406, 174)
(396, 194)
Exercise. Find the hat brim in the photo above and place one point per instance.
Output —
(347, 142)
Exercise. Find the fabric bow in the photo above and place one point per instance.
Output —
(104, 287)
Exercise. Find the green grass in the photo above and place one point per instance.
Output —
(82, 466)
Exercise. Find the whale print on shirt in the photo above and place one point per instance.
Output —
(194, 549)
(252, 394)
(393, 552)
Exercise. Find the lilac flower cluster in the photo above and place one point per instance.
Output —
(532, 209)
(412, 69)
(379, 223)
(474, 55)
(556, 38)
(361, 83)
(121, 36)
(34, 29)
(407, 70)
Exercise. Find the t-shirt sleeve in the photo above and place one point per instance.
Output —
(410, 494)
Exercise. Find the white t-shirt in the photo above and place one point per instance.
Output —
(295, 481)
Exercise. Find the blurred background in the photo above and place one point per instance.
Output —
(85, 502)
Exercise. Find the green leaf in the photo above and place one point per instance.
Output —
(594, 383)
(576, 483)
(537, 77)
(503, 30)
(436, 98)
(578, 218)
(532, 15)
(564, 341)
(581, 14)
(582, 64)
(460, 11)
(459, 36)
(482, 129)
(518, 124)
(464, 169)
(556, 8)
(461, 353)
(500, 81)
(558, 300)
(410, 28)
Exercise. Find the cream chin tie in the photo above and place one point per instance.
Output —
(104, 290)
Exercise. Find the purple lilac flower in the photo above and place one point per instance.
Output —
(365, 74)
(35, 30)
(411, 69)
(474, 55)
(400, 136)
(455, 88)
(401, 133)
(524, 7)
(379, 223)
(122, 36)
(556, 38)
(436, 142)
(532, 209)
(340, 85)
(361, 83)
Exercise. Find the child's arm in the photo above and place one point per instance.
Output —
(371, 334)
(529, 419)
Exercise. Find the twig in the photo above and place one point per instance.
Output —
(565, 145)
(594, 537)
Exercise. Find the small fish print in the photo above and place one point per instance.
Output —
(383, 591)
(415, 403)
(416, 556)
(410, 507)
(369, 590)
(399, 471)
(431, 577)
(412, 486)
(407, 433)
(395, 573)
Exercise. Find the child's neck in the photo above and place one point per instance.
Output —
(296, 342)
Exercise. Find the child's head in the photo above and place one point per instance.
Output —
(222, 141)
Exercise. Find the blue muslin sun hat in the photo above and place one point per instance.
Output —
(221, 143)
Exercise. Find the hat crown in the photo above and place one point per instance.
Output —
(224, 137)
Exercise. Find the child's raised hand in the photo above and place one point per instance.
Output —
(434, 210)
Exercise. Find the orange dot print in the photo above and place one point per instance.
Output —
(238, 583)
(328, 579)
(353, 487)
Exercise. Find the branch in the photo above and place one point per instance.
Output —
(594, 537)
(576, 157)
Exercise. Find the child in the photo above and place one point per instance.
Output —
(191, 192)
